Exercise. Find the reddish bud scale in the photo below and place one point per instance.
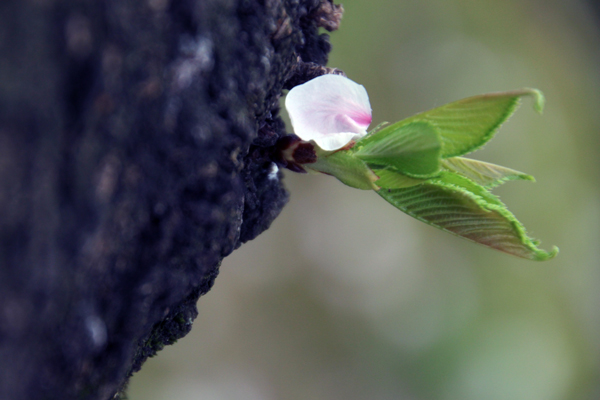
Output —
(291, 152)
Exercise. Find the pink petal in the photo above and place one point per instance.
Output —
(330, 109)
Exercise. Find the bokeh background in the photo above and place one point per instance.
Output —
(347, 298)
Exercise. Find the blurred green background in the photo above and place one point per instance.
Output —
(347, 298)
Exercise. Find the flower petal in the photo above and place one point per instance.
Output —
(329, 109)
(334, 142)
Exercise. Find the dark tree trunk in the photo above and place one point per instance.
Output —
(134, 155)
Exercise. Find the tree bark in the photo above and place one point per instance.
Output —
(134, 155)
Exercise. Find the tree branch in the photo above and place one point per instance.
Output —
(134, 156)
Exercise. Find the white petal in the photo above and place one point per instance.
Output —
(334, 142)
(330, 109)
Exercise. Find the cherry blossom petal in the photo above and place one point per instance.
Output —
(329, 109)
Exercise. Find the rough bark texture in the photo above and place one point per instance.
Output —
(134, 155)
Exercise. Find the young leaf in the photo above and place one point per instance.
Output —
(485, 174)
(461, 212)
(413, 149)
(348, 169)
(467, 124)
(465, 184)
(391, 179)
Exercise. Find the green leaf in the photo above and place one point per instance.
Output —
(467, 124)
(465, 184)
(413, 149)
(378, 127)
(344, 166)
(485, 174)
(391, 179)
(454, 209)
